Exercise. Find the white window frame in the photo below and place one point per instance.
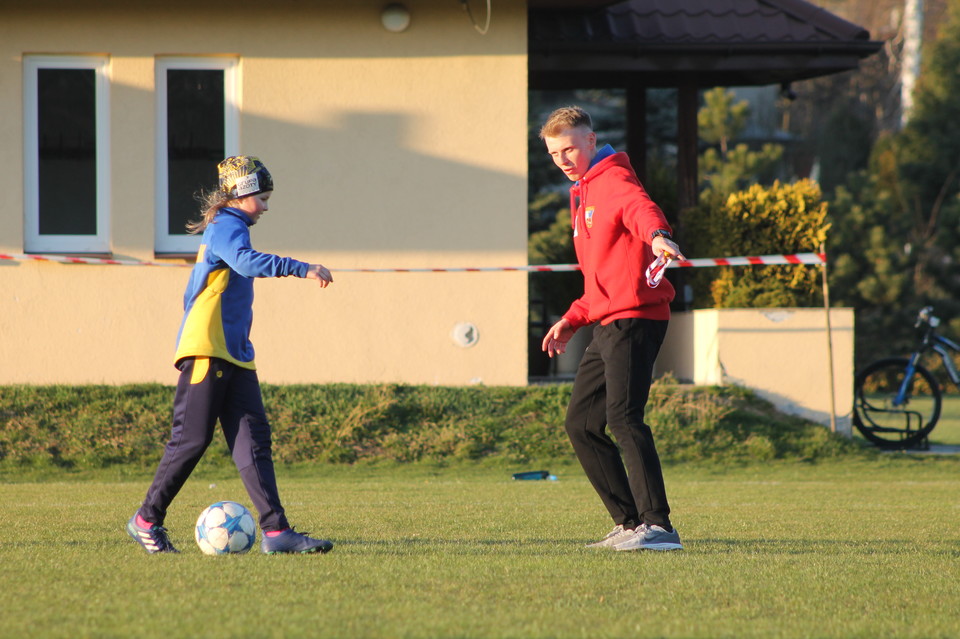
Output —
(164, 241)
(34, 242)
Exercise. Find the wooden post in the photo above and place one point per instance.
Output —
(826, 307)
(688, 192)
(637, 129)
(688, 104)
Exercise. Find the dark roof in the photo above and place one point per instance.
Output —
(568, 4)
(708, 42)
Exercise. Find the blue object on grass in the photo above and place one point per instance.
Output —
(535, 474)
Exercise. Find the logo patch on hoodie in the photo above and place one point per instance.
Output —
(588, 217)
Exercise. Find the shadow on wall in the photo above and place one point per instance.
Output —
(354, 185)
(367, 190)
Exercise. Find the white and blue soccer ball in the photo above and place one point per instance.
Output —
(225, 527)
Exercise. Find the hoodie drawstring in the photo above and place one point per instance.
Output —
(578, 218)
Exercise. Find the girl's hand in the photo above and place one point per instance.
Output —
(320, 273)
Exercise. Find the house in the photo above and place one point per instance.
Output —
(389, 149)
(396, 135)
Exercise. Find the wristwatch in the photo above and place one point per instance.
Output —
(661, 233)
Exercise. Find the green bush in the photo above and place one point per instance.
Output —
(730, 423)
(87, 427)
(775, 220)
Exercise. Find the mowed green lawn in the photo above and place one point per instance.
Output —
(947, 430)
(845, 549)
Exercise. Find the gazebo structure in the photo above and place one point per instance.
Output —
(688, 45)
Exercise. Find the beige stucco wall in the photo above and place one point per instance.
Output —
(388, 150)
(781, 353)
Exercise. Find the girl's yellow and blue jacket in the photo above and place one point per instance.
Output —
(218, 302)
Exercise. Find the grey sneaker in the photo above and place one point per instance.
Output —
(616, 536)
(651, 538)
(153, 539)
(290, 541)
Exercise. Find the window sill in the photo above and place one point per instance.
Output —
(186, 257)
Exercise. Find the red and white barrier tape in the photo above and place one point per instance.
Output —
(540, 268)
(755, 260)
(84, 260)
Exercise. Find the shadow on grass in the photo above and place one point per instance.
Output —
(861, 546)
(564, 547)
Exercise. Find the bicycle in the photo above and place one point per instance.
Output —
(897, 400)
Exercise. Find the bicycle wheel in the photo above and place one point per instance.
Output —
(879, 417)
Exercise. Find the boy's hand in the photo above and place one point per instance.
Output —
(661, 244)
(555, 341)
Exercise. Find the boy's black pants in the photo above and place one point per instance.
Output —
(210, 389)
(611, 390)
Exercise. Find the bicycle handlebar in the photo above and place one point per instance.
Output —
(925, 316)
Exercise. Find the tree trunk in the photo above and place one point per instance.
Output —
(910, 64)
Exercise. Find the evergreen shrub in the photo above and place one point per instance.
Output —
(776, 220)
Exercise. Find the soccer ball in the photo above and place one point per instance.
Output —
(225, 527)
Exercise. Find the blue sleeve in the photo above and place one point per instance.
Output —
(231, 243)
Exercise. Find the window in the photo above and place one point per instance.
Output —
(66, 154)
(197, 126)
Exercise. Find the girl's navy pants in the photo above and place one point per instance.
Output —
(209, 390)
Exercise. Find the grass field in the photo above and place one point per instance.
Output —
(947, 430)
(868, 548)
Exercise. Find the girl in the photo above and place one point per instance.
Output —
(218, 378)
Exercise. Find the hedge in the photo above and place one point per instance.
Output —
(102, 426)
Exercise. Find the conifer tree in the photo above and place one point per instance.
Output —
(896, 245)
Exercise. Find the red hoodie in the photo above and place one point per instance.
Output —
(613, 221)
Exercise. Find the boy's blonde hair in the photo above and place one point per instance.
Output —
(569, 117)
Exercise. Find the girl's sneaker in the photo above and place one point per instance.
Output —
(153, 539)
(290, 541)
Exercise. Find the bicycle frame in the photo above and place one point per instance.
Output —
(931, 342)
(941, 346)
